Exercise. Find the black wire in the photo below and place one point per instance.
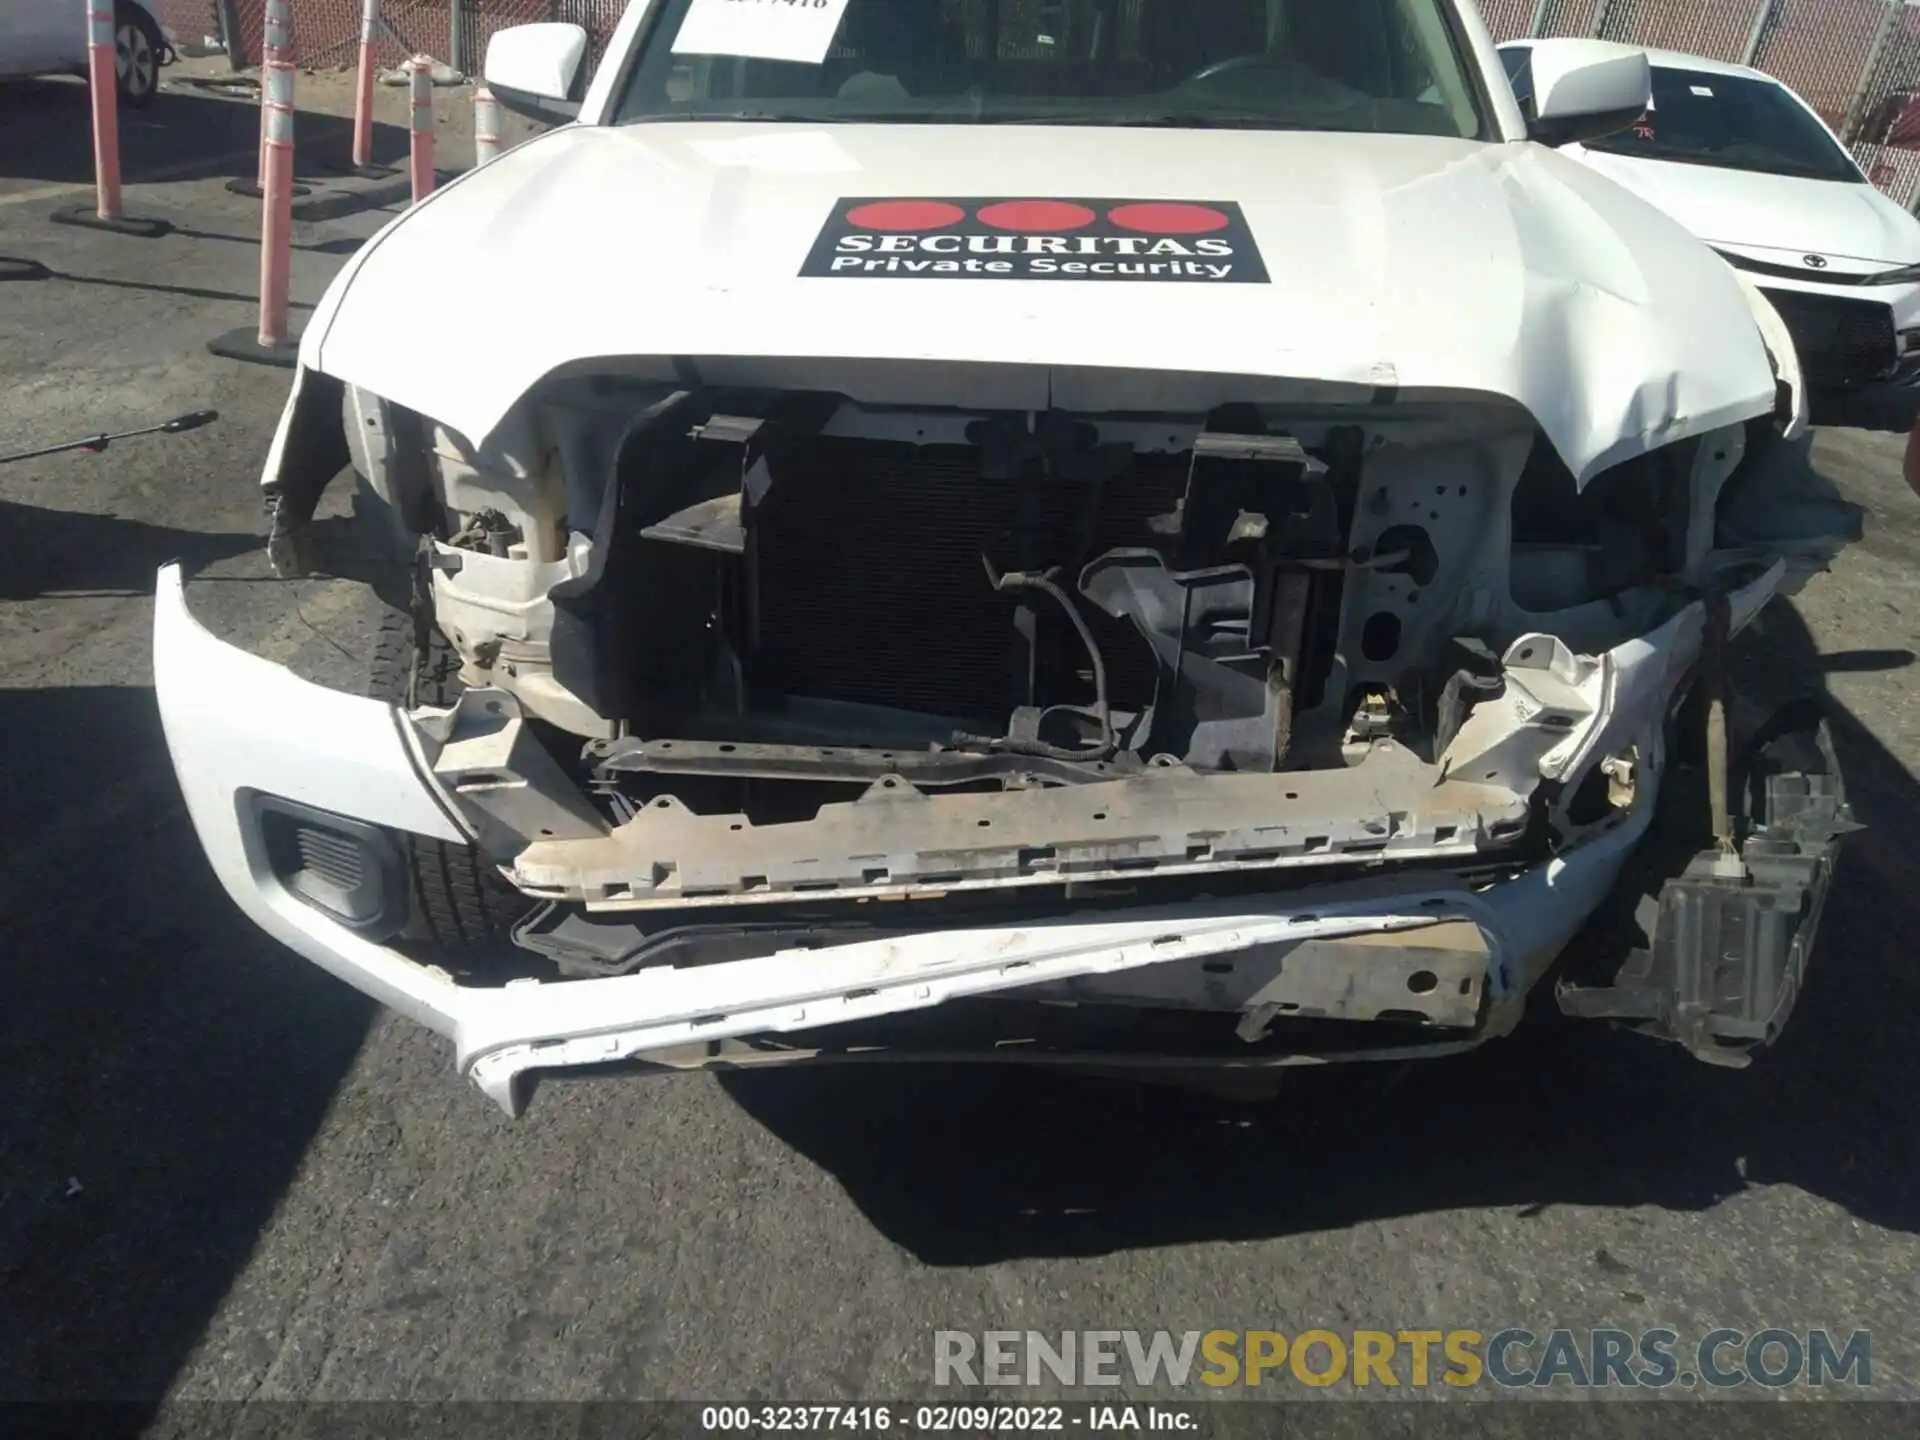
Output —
(1109, 741)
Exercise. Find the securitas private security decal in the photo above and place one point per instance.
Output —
(1201, 242)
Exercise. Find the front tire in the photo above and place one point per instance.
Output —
(462, 910)
(137, 48)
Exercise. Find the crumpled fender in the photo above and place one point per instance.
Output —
(1780, 348)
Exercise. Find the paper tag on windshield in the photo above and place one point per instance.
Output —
(799, 30)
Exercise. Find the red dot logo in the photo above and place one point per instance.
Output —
(1159, 218)
(905, 215)
(1050, 215)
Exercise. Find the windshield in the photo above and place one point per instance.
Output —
(1700, 118)
(1381, 66)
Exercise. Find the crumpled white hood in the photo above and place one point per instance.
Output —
(1425, 265)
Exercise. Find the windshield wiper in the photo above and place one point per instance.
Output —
(782, 117)
(1720, 160)
(1159, 120)
(795, 117)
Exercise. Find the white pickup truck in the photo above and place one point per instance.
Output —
(1119, 533)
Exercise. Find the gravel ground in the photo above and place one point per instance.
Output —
(224, 1176)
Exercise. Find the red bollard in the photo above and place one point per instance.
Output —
(270, 344)
(420, 85)
(486, 127)
(272, 52)
(106, 133)
(276, 225)
(363, 95)
(106, 113)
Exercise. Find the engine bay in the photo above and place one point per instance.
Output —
(725, 647)
(818, 593)
(1030, 593)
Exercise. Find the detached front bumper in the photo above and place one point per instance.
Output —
(247, 736)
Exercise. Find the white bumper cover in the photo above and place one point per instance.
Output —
(237, 724)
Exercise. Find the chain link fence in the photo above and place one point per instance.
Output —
(1855, 61)
(327, 32)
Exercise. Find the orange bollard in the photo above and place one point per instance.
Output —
(106, 113)
(486, 127)
(363, 95)
(269, 343)
(102, 81)
(272, 52)
(420, 85)
(276, 224)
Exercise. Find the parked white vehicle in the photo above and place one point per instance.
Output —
(1174, 537)
(1749, 167)
(46, 37)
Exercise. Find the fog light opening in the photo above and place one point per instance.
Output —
(346, 869)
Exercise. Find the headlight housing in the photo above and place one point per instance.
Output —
(1904, 275)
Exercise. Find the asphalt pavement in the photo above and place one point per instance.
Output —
(224, 1176)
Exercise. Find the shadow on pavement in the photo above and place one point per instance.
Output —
(345, 245)
(51, 552)
(168, 1065)
(154, 287)
(971, 1165)
(46, 134)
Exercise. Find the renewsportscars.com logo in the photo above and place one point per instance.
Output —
(1199, 242)
(1511, 1358)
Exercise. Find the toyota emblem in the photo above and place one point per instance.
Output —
(1816, 262)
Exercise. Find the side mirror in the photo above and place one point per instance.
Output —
(1583, 89)
(538, 70)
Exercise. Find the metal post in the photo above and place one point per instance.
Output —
(456, 46)
(1757, 33)
(1542, 12)
(1868, 72)
(1600, 18)
(230, 36)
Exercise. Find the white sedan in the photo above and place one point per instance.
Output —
(1749, 167)
(47, 37)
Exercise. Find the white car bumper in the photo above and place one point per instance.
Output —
(239, 727)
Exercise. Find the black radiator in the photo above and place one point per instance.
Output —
(871, 588)
(1841, 342)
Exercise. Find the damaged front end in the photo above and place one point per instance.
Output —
(1301, 728)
